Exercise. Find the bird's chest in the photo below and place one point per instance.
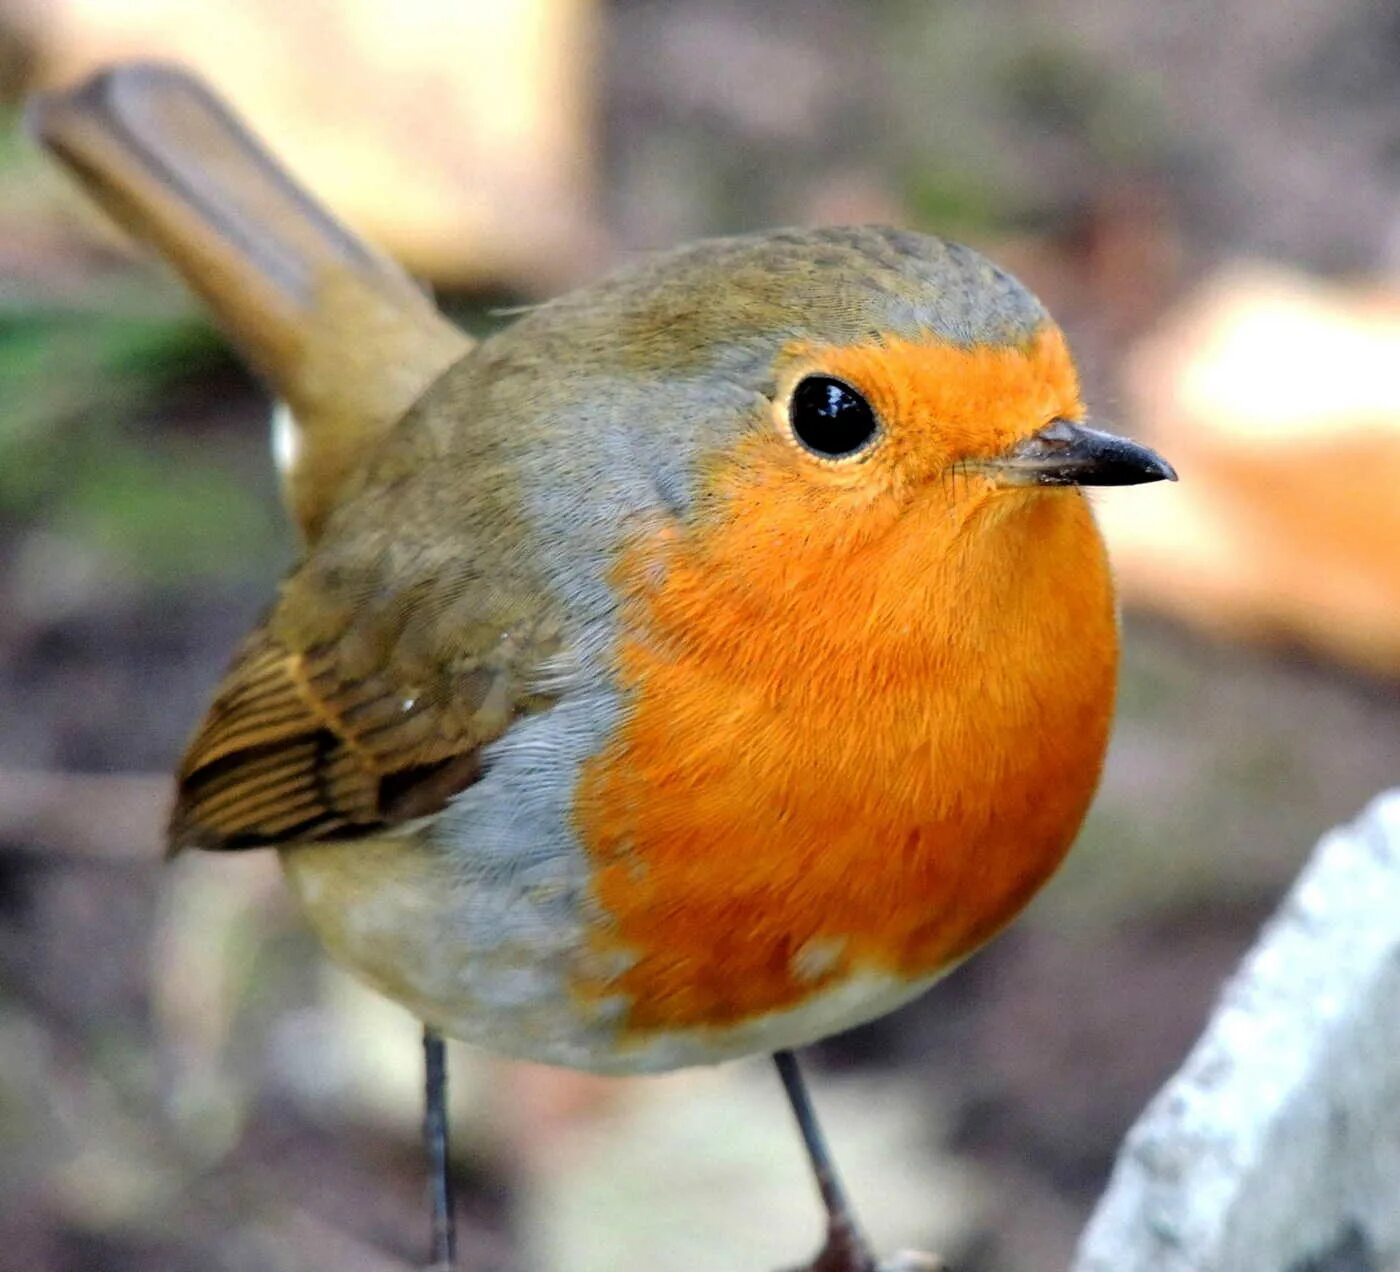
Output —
(858, 794)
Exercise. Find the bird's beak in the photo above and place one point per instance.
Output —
(1069, 454)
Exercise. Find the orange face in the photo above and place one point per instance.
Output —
(938, 404)
(940, 409)
(866, 698)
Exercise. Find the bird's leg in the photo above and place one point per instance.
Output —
(846, 1249)
(444, 1256)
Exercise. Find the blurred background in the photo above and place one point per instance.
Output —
(1206, 194)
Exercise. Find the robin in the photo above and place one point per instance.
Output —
(706, 663)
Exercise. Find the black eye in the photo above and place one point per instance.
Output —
(830, 418)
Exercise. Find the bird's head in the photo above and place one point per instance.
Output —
(818, 390)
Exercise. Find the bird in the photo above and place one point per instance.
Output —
(705, 663)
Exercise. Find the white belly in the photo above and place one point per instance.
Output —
(497, 967)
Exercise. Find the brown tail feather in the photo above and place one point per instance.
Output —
(339, 330)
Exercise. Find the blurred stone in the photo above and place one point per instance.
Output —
(212, 919)
(703, 1170)
(1276, 397)
(538, 1107)
(457, 134)
(1276, 1148)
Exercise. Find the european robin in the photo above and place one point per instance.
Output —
(704, 664)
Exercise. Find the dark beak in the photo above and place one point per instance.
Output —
(1069, 454)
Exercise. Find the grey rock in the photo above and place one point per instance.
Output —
(1276, 1147)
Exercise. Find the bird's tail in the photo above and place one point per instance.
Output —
(338, 330)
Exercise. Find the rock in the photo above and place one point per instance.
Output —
(1276, 1147)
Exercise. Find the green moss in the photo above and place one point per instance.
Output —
(81, 390)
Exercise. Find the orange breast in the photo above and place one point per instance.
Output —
(866, 761)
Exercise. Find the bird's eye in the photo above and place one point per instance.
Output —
(830, 418)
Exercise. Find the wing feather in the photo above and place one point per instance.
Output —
(409, 637)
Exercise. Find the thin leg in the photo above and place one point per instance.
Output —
(435, 1141)
(846, 1249)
